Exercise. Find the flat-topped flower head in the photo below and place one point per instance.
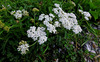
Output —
(25, 13)
(19, 13)
(12, 12)
(86, 14)
(57, 5)
(41, 17)
(36, 34)
(47, 20)
(42, 39)
(57, 24)
(76, 29)
(51, 15)
(68, 20)
(23, 47)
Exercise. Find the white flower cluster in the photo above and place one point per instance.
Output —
(87, 15)
(18, 14)
(57, 24)
(25, 13)
(76, 29)
(23, 47)
(36, 34)
(68, 20)
(47, 19)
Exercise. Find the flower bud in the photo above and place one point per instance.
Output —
(1, 24)
(6, 28)
(32, 20)
(35, 10)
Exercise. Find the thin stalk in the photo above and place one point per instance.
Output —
(34, 17)
(33, 44)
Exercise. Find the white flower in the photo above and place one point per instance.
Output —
(12, 12)
(47, 18)
(51, 28)
(56, 5)
(50, 18)
(76, 29)
(40, 31)
(42, 39)
(68, 20)
(46, 23)
(57, 24)
(41, 17)
(86, 18)
(66, 24)
(8, 6)
(87, 15)
(18, 14)
(3, 6)
(23, 47)
(71, 15)
(51, 15)
(32, 33)
(55, 10)
(19, 11)
(81, 11)
(25, 13)
(36, 34)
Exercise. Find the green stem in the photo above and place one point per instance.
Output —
(45, 49)
(33, 44)
(34, 18)
(20, 23)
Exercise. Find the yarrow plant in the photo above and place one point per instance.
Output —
(48, 31)
(23, 47)
(37, 34)
(68, 20)
(25, 13)
(18, 14)
(47, 19)
(87, 15)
